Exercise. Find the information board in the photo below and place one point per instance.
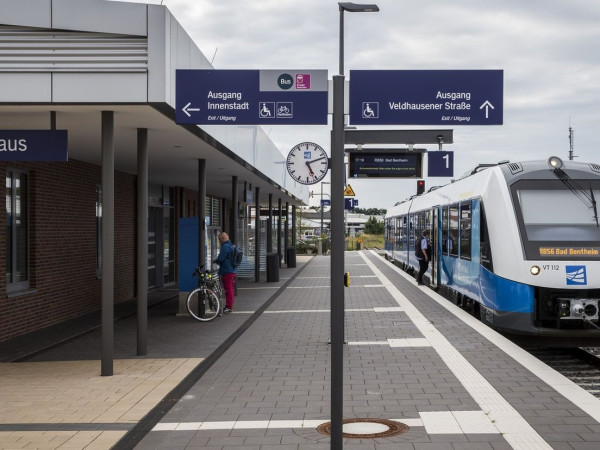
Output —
(251, 97)
(426, 97)
(382, 163)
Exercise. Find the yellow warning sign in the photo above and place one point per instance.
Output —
(349, 192)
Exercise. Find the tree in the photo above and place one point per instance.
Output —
(370, 211)
(373, 226)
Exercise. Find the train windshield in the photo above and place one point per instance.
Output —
(559, 220)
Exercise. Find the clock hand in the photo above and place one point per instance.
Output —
(310, 171)
(318, 159)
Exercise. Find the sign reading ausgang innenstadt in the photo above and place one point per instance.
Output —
(33, 145)
(426, 97)
(251, 97)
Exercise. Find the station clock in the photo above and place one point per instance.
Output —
(307, 163)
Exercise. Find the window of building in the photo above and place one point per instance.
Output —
(215, 211)
(99, 231)
(17, 231)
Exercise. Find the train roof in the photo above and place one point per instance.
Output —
(477, 178)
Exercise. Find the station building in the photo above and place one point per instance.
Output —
(104, 224)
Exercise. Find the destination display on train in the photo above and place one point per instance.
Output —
(385, 164)
(569, 252)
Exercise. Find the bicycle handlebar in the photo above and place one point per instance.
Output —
(199, 271)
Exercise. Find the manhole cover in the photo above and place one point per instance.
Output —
(366, 428)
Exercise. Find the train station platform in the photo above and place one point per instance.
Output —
(420, 373)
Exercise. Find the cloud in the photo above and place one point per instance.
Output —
(548, 50)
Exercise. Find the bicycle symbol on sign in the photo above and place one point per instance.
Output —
(285, 110)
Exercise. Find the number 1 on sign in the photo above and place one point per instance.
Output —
(447, 158)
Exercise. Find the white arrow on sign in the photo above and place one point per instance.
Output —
(187, 108)
(487, 105)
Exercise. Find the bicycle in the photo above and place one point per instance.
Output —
(204, 302)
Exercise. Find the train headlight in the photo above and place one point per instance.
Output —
(535, 270)
(555, 162)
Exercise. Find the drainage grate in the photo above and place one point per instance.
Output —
(366, 428)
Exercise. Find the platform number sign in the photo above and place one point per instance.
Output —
(440, 164)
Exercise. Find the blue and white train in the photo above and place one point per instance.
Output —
(516, 243)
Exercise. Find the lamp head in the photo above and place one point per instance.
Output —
(357, 7)
(555, 162)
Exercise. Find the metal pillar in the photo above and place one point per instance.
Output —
(270, 226)
(201, 212)
(280, 213)
(108, 242)
(286, 230)
(142, 241)
(293, 225)
(234, 210)
(337, 262)
(257, 235)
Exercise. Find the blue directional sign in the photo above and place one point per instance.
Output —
(251, 97)
(325, 202)
(440, 164)
(33, 145)
(426, 97)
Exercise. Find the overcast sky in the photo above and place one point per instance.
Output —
(549, 51)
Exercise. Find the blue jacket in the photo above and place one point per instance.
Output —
(224, 259)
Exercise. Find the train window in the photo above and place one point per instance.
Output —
(421, 225)
(559, 215)
(558, 219)
(465, 230)
(413, 224)
(484, 238)
(446, 242)
(453, 240)
(402, 232)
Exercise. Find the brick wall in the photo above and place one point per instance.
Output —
(63, 245)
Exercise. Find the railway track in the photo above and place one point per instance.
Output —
(580, 365)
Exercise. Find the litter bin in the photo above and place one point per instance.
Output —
(291, 257)
(272, 267)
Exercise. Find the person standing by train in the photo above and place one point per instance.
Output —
(423, 254)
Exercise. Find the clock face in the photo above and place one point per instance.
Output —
(307, 163)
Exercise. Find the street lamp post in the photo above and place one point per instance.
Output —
(337, 237)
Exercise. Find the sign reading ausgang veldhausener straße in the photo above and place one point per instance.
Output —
(426, 97)
(251, 97)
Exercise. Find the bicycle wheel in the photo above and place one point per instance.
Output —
(206, 297)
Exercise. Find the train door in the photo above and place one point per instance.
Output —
(435, 239)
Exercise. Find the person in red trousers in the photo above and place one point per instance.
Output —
(227, 272)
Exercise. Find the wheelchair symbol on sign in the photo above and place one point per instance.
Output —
(266, 110)
(370, 110)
